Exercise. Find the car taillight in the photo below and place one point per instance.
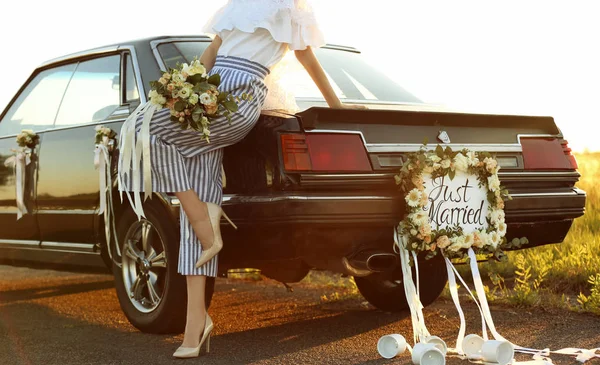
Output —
(547, 154)
(324, 152)
(567, 150)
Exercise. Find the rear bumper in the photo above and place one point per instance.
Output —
(543, 217)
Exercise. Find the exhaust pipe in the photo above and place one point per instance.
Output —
(367, 262)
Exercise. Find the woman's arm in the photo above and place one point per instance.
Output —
(209, 55)
(308, 59)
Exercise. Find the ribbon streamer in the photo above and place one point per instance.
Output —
(134, 157)
(539, 356)
(19, 162)
(102, 162)
(420, 331)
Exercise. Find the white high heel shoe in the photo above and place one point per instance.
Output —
(214, 212)
(189, 352)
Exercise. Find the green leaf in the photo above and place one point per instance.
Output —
(222, 97)
(231, 106)
(180, 106)
(439, 151)
(451, 174)
(215, 79)
(200, 88)
(195, 79)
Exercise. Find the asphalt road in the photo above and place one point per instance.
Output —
(52, 317)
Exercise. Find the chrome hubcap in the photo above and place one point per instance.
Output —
(144, 266)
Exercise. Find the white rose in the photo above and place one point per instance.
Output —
(195, 68)
(205, 99)
(178, 77)
(193, 99)
(413, 232)
(434, 158)
(419, 218)
(497, 216)
(98, 128)
(158, 100)
(461, 162)
(472, 157)
(445, 163)
(491, 165)
(493, 183)
(457, 244)
(185, 92)
(469, 240)
(485, 238)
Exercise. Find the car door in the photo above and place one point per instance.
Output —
(34, 107)
(68, 186)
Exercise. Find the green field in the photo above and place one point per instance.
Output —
(566, 274)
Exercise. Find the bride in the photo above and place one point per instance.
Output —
(251, 38)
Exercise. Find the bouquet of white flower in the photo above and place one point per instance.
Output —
(104, 133)
(27, 138)
(193, 97)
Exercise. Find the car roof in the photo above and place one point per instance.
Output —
(145, 42)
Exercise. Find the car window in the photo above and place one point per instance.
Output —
(180, 52)
(36, 107)
(350, 76)
(93, 93)
(131, 90)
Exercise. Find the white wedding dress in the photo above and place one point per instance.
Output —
(265, 31)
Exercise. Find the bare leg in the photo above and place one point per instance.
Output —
(197, 213)
(196, 310)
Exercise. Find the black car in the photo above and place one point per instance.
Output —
(308, 190)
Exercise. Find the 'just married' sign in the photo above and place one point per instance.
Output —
(456, 202)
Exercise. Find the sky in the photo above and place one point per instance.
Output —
(515, 57)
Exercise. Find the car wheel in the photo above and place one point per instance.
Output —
(386, 290)
(151, 293)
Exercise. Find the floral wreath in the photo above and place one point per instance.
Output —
(452, 241)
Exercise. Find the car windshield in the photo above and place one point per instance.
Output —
(351, 77)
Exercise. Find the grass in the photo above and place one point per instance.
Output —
(564, 275)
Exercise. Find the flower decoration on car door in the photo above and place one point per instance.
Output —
(27, 140)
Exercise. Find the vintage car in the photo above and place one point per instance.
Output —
(308, 190)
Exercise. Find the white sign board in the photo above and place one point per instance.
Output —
(456, 202)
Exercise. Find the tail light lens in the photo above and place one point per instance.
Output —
(324, 152)
(547, 154)
(567, 150)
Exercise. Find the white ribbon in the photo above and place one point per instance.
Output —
(103, 165)
(539, 356)
(132, 150)
(19, 161)
(420, 331)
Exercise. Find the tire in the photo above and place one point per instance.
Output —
(163, 310)
(386, 290)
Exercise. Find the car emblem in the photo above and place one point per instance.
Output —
(444, 137)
